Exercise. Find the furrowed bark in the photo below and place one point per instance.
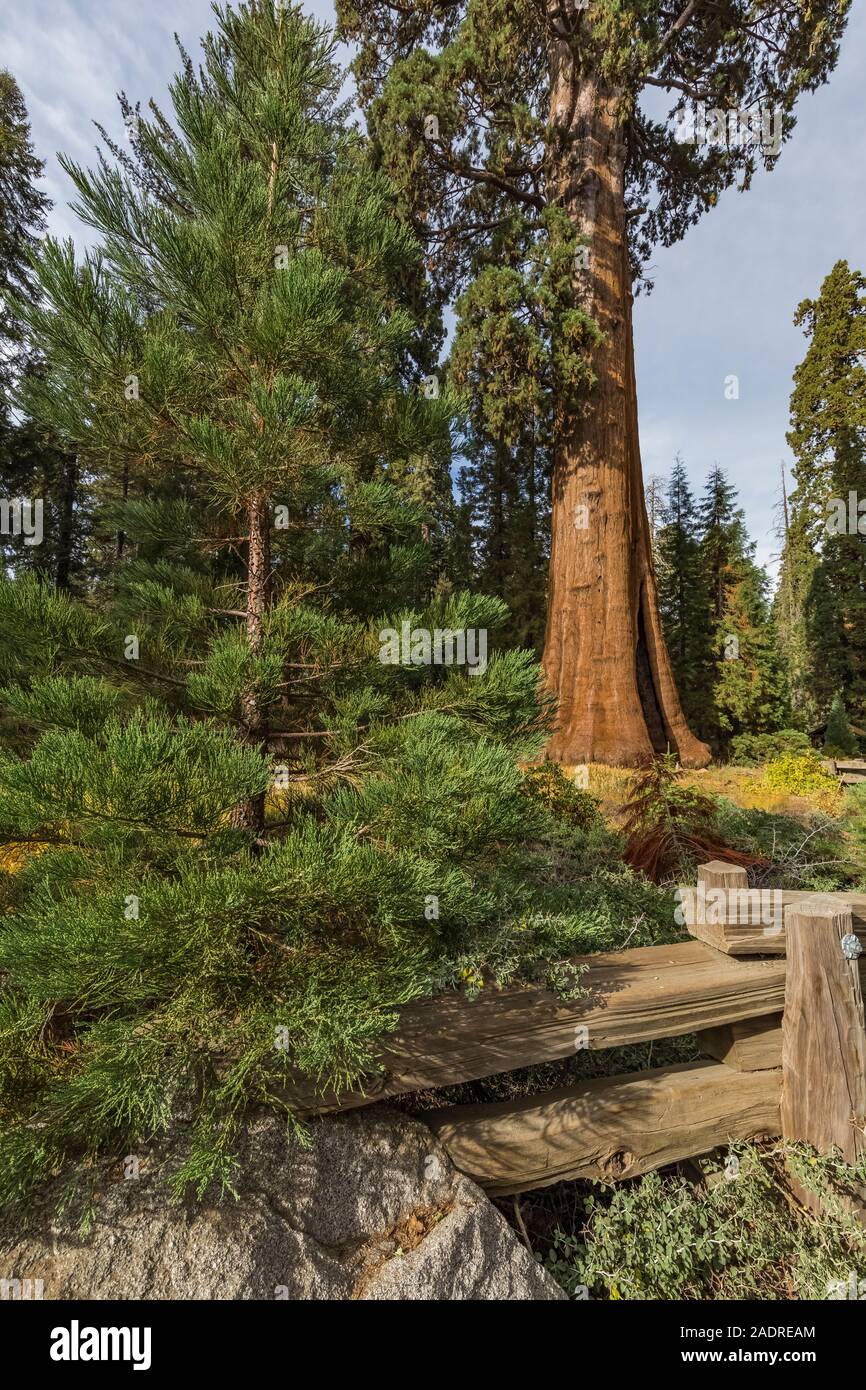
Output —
(604, 654)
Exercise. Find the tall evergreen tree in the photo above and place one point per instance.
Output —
(682, 592)
(750, 690)
(796, 574)
(839, 737)
(34, 465)
(498, 363)
(162, 955)
(23, 208)
(715, 610)
(745, 686)
(823, 582)
(723, 536)
(517, 136)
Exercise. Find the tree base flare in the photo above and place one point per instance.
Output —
(690, 753)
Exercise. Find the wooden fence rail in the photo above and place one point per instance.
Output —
(633, 996)
(772, 987)
(609, 1129)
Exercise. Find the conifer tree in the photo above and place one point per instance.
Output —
(682, 592)
(745, 685)
(498, 362)
(518, 137)
(715, 611)
(750, 691)
(796, 575)
(23, 208)
(34, 466)
(723, 536)
(823, 586)
(839, 737)
(165, 960)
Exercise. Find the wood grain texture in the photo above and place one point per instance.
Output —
(731, 917)
(752, 1044)
(718, 874)
(609, 1129)
(635, 995)
(823, 1035)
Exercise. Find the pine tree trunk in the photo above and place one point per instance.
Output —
(250, 814)
(66, 508)
(604, 653)
(120, 540)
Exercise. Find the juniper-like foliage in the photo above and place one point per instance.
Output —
(237, 838)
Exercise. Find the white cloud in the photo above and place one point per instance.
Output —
(724, 297)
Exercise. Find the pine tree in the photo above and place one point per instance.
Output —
(796, 570)
(723, 537)
(34, 465)
(23, 208)
(518, 137)
(823, 585)
(838, 738)
(499, 363)
(750, 692)
(715, 610)
(682, 599)
(163, 958)
(745, 686)
(40, 469)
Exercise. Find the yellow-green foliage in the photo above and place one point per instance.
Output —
(548, 784)
(799, 774)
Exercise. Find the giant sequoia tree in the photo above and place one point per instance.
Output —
(515, 131)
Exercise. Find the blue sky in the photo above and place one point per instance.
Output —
(724, 298)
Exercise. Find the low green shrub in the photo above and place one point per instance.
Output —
(752, 750)
(548, 785)
(736, 1237)
(800, 774)
(815, 852)
(855, 824)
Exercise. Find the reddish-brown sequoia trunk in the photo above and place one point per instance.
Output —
(604, 653)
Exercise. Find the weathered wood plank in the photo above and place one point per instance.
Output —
(635, 995)
(745, 921)
(611, 1128)
(823, 1034)
(794, 897)
(723, 911)
(753, 1044)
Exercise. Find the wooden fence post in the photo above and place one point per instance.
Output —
(823, 1035)
(717, 874)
